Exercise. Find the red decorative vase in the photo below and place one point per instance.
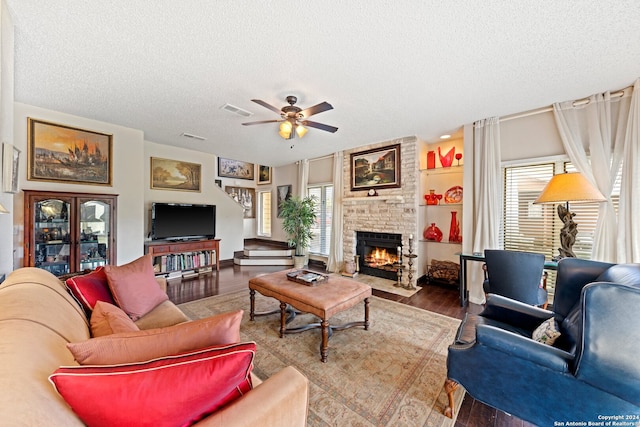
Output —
(432, 233)
(447, 159)
(454, 229)
(431, 160)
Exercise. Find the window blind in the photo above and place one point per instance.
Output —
(322, 227)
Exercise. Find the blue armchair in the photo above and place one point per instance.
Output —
(591, 371)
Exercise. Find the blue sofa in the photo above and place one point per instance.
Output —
(591, 371)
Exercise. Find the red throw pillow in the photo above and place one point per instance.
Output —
(172, 391)
(107, 319)
(90, 288)
(134, 286)
(129, 347)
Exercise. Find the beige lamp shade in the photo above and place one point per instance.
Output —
(3, 210)
(570, 187)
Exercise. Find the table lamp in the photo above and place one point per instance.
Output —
(568, 187)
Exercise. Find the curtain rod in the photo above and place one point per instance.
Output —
(541, 110)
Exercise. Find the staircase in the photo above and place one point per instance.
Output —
(264, 252)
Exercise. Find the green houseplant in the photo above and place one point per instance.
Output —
(298, 216)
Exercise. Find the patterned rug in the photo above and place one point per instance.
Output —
(390, 375)
(386, 285)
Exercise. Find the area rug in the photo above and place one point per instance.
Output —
(385, 285)
(390, 375)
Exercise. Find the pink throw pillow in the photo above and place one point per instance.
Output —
(172, 391)
(134, 286)
(149, 344)
(90, 288)
(107, 319)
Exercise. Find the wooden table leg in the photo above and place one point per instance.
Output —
(324, 347)
(366, 314)
(283, 318)
(450, 387)
(252, 298)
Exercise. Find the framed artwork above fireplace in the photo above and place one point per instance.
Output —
(376, 168)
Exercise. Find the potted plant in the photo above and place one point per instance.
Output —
(298, 216)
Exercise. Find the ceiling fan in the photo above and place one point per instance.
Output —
(294, 119)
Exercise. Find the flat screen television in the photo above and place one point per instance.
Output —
(182, 221)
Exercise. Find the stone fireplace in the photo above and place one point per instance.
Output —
(392, 211)
(378, 252)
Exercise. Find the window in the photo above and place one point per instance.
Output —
(322, 228)
(264, 213)
(536, 228)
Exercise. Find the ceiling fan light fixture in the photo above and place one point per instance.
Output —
(286, 129)
(301, 131)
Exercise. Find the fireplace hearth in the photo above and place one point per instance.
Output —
(378, 252)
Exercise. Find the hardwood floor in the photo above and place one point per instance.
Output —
(439, 299)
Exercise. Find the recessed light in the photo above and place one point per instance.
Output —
(445, 136)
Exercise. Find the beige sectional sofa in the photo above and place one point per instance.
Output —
(38, 317)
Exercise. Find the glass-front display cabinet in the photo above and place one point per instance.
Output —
(69, 232)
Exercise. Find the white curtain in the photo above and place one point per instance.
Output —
(487, 194)
(336, 251)
(303, 177)
(599, 124)
(628, 226)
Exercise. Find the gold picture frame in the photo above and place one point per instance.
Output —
(264, 174)
(64, 153)
(167, 174)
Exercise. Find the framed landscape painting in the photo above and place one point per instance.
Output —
(264, 174)
(228, 168)
(68, 154)
(167, 174)
(376, 168)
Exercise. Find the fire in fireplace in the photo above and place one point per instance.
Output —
(378, 252)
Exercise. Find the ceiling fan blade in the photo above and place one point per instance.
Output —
(269, 106)
(260, 122)
(323, 106)
(320, 126)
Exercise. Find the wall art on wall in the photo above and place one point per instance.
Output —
(376, 168)
(64, 153)
(228, 168)
(218, 182)
(169, 174)
(264, 174)
(284, 193)
(245, 197)
(10, 162)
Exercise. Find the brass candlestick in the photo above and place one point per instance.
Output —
(411, 257)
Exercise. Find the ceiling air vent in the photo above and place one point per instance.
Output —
(192, 136)
(235, 110)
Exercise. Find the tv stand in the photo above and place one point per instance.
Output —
(195, 255)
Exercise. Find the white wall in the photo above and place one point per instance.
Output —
(530, 137)
(128, 177)
(6, 133)
(230, 226)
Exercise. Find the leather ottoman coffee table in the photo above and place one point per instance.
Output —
(322, 300)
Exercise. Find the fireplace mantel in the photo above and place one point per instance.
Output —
(387, 199)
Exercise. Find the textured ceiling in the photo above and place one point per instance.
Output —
(389, 68)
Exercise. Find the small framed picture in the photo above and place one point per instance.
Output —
(228, 168)
(264, 174)
(219, 182)
(10, 162)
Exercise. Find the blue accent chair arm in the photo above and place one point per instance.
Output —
(514, 312)
(524, 348)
